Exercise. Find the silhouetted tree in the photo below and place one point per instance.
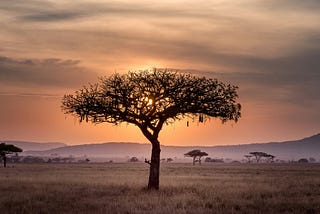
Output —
(258, 155)
(214, 160)
(196, 155)
(169, 160)
(303, 160)
(133, 159)
(6, 149)
(312, 160)
(269, 158)
(150, 99)
(248, 158)
(32, 159)
(208, 159)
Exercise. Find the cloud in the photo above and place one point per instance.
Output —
(21, 94)
(246, 41)
(44, 73)
(291, 79)
(291, 5)
(51, 16)
(208, 33)
(46, 11)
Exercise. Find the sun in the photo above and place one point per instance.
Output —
(149, 101)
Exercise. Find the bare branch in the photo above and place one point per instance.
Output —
(147, 161)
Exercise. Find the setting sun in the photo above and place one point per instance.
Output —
(149, 101)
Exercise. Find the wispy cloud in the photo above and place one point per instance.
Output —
(45, 95)
(294, 79)
(45, 73)
(51, 16)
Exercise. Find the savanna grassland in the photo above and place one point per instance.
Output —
(120, 188)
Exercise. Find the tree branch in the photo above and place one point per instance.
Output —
(147, 161)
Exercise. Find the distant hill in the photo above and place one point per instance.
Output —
(288, 150)
(35, 146)
(113, 149)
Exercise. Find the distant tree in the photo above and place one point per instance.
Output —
(312, 160)
(150, 99)
(269, 158)
(169, 160)
(33, 159)
(258, 155)
(56, 160)
(248, 158)
(217, 160)
(196, 155)
(236, 162)
(207, 159)
(6, 149)
(303, 160)
(133, 159)
(214, 160)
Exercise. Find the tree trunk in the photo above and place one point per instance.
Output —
(154, 166)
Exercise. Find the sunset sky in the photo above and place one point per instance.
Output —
(270, 49)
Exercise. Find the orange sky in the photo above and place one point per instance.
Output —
(270, 49)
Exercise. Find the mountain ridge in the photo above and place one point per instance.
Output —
(28, 145)
(287, 150)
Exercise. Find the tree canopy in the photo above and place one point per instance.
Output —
(259, 155)
(151, 98)
(196, 155)
(6, 149)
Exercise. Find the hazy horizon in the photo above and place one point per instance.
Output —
(270, 49)
(148, 143)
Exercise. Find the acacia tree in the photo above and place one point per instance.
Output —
(269, 158)
(248, 158)
(150, 99)
(259, 155)
(196, 155)
(6, 149)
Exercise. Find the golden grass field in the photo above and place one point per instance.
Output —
(120, 188)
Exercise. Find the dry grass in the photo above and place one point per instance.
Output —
(119, 188)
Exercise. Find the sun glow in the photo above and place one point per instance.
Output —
(149, 101)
